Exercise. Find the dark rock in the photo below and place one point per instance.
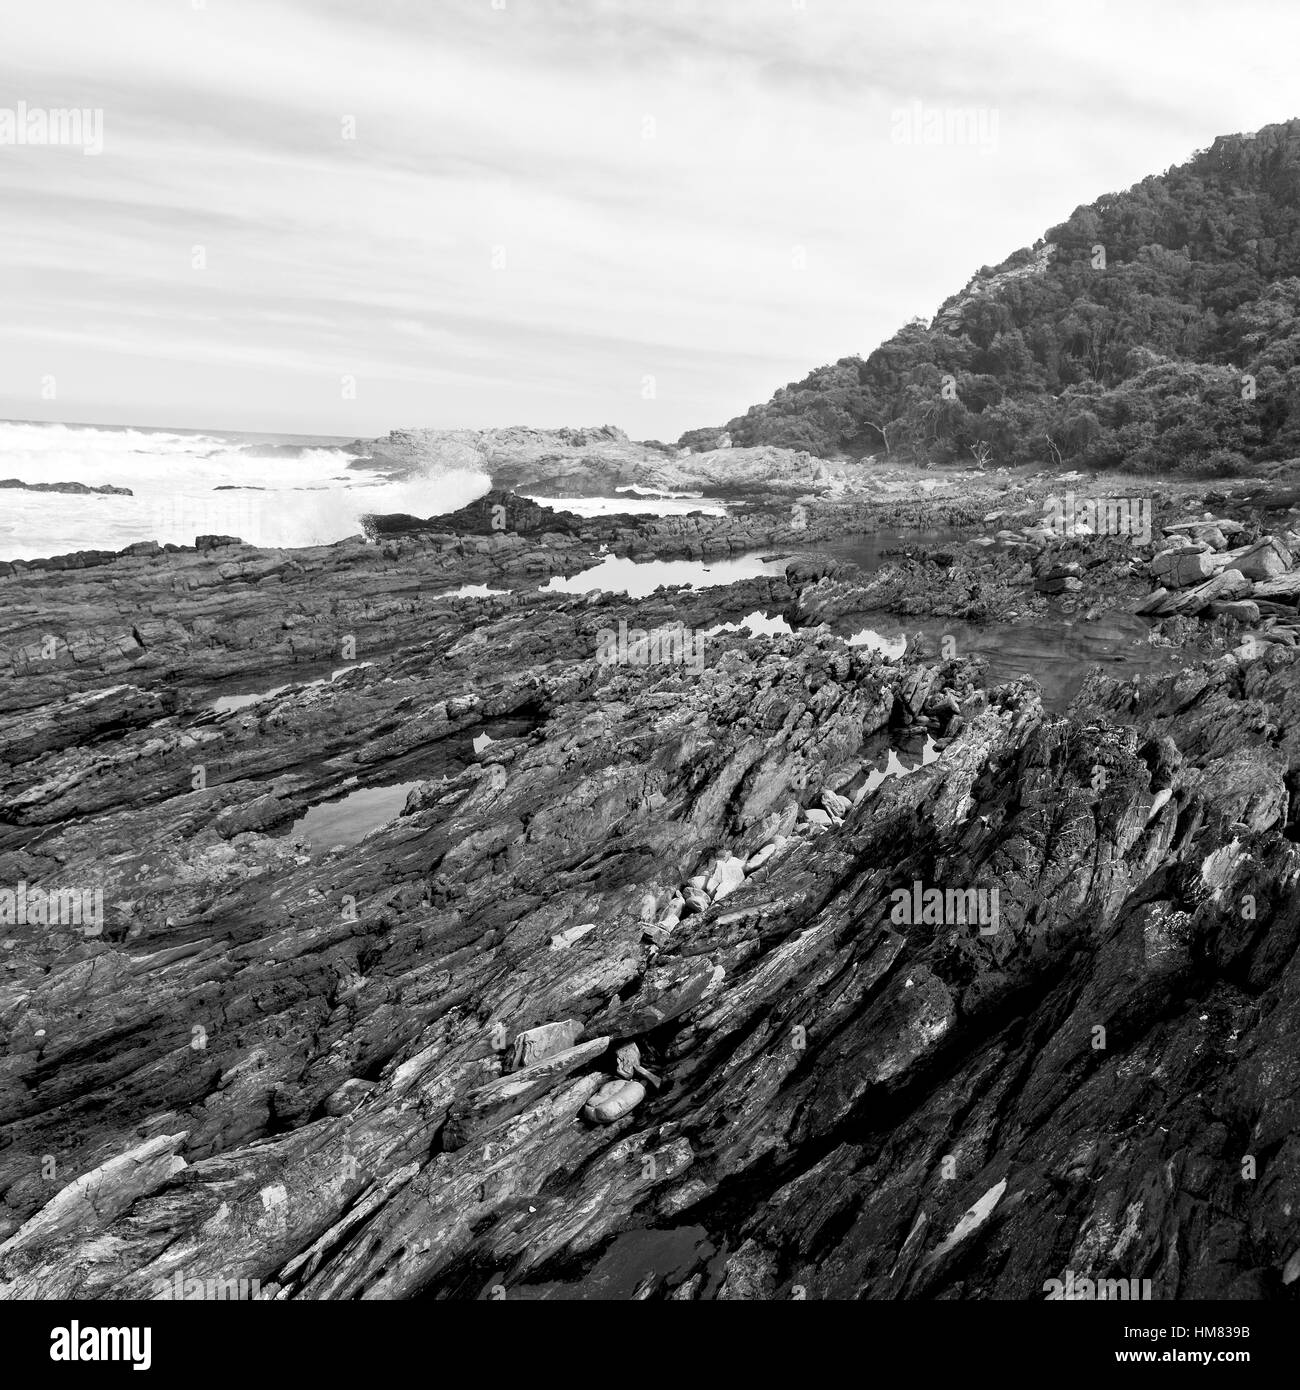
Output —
(293, 1062)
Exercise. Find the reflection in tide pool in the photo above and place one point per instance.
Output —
(224, 703)
(638, 579)
(1057, 650)
(892, 647)
(331, 824)
(472, 591)
(868, 551)
(759, 625)
(896, 767)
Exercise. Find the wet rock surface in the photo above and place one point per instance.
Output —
(404, 1067)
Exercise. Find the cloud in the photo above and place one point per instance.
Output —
(650, 214)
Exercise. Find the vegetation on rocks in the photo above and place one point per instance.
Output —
(1157, 329)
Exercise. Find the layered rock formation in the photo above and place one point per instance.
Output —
(593, 463)
(362, 1072)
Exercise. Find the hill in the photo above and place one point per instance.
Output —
(1156, 330)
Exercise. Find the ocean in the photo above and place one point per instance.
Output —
(267, 489)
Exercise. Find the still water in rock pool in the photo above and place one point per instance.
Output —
(1057, 650)
(351, 818)
(868, 552)
(637, 579)
(223, 704)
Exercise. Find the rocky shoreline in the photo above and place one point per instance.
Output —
(78, 489)
(369, 1071)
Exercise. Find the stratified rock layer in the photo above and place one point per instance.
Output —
(279, 1061)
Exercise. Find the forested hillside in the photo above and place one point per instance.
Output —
(1156, 329)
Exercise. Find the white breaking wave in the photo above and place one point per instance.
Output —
(282, 491)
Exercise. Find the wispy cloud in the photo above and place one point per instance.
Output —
(545, 211)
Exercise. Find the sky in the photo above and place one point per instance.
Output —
(347, 216)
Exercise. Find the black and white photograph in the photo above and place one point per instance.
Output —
(649, 652)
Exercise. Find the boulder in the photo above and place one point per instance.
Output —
(1266, 560)
(1224, 559)
(536, 1044)
(1191, 567)
(760, 857)
(838, 806)
(1166, 560)
(728, 874)
(696, 900)
(614, 1100)
(1242, 610)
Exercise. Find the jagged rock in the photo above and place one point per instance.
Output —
(260, 814)
(814, 1050)
(487, 1108)
(1153, 601)
(1225, 527)
(96, 1198)
(348, 1096)
(82, 489)
(1226, 585)
(1286, 587)
(916, 689)
(536, 1044)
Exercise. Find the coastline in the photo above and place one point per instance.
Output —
(721, 840)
